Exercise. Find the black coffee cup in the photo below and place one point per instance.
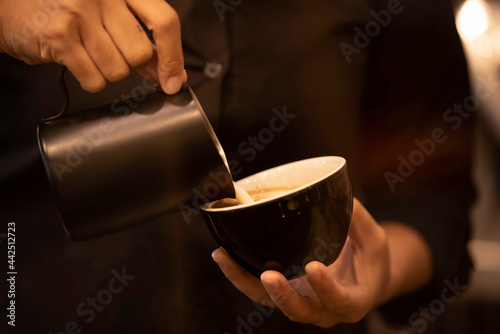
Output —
(306, 218)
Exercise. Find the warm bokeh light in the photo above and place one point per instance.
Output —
(472, 19)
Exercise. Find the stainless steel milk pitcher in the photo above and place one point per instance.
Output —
(112, 170)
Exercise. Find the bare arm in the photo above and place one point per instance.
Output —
(410, 259)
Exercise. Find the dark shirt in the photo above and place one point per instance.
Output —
(371, 106)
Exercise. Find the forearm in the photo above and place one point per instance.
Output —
(410, 257)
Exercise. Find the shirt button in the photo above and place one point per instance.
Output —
(212, 69)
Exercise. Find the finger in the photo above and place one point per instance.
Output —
(82, 67)
(241, 279)
(295, 306)
(150, 69)
(164, 22)
(66, 48)
(331, 294)
(104, 52)
(127, 34)
(346, 303)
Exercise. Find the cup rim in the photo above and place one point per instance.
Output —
(341, 165)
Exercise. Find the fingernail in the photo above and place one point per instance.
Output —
(313, 275)
(220, 262)
(173, 84)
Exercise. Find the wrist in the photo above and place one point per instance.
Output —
(410, 260)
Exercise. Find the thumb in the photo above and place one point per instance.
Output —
(164, 22)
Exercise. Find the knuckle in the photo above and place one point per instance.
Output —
(169, 21)
(93, 85)
(57, 37)
(72, 9)
(141, 56)
(118, 74)
(59, 31)
(54, 33)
